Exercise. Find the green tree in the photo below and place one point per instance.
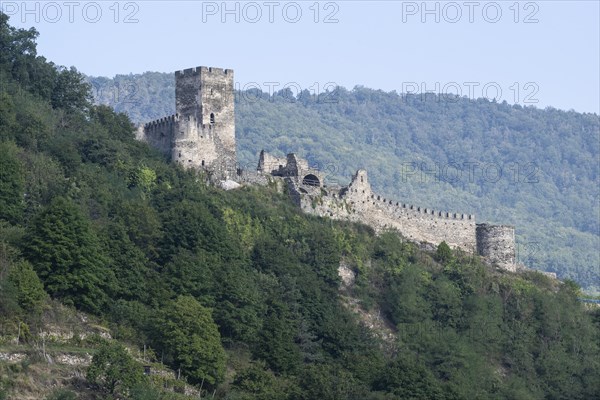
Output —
(143, 177)
(239, 303)
(192, 337)
(276, 339)
(12, 183)
(409, 379)
(192, 273)
(443, 253)
(193, 225)
(71, 91)
(19, 59)
(571, 287)
(405, 298)
(8, 116)
(15, 43)
(9, 298)
(257, 383)
(118, 125)
(328, 382)
(65, 253)
(44, 181)
(128, 263)
(324, 254)
(113, 370)
(30, 290)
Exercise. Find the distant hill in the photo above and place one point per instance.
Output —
(123, 276)
(536, 169)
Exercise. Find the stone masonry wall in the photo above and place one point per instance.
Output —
(205, 105)
(268, 163)
(496, 243)
(202, 133)
(359, 203)
(194, 145)
(159, 133)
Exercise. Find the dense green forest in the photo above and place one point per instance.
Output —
(535, 169)
(238, 291)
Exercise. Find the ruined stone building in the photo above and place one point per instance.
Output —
(201, 135)
(202, 132)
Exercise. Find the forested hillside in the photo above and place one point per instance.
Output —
(238, 292)
(535, 169)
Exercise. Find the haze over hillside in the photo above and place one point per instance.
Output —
(537, 169)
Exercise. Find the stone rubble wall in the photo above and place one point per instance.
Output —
(359, 203)
(201, 135)
(268, 163)
(496, 243)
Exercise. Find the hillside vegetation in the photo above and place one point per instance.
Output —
(535, 169)
(238, 291)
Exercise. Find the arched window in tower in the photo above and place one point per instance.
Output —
(212, 118)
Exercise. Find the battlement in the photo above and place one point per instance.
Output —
(175, 118)
(161, 122)
(420, 210)
(201, 69)
(359, 190)
(486, 226)
(201, 135)
(357, 202)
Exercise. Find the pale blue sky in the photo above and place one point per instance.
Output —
(378, 44)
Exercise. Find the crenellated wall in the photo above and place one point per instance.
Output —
(201, 91)
(159, 134)
(201, 134)
(357, 202)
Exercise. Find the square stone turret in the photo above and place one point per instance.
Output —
(201, 134)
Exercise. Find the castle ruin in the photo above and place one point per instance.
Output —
(202, 132)
(201, 135)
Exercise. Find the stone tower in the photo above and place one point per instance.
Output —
(201, 134)
(496, 243)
